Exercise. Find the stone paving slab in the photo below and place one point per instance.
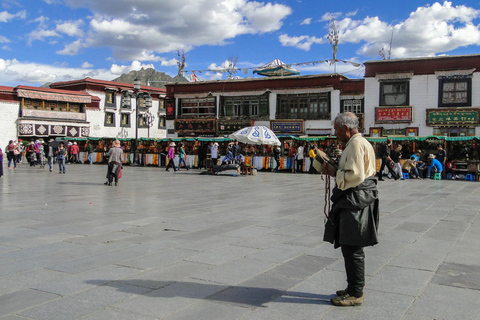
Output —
(191, 246)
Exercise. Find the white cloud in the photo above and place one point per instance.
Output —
(426, 32)
(149, 27)
(169, 63)
(40, 35)
(71, 28)
(136, 65)
(86, 65)
(41, 32)
(5, 16)
(430, 30)
(306, 21)
(72, 48)
(301, 42)
(4, 39)
(14, 72)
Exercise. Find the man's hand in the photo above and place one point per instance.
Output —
(328, 169)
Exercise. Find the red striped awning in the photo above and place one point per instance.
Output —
(52, 96)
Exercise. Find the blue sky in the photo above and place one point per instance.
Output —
(59, 40)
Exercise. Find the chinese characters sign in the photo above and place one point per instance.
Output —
(195, 126)
(393, 114)
(295, 126)
(445, 117)
(230, 126)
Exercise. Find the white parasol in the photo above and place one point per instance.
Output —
(257, 135)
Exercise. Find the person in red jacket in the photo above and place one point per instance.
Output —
(74, 150)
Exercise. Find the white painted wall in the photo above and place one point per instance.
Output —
(97, 120)
(8, 122)
(423, 95)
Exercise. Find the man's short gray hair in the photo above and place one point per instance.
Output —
(348, 119)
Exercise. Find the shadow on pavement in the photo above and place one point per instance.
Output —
(252, 296)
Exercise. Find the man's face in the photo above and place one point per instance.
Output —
(341, 132)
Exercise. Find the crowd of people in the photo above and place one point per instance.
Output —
(416, 165)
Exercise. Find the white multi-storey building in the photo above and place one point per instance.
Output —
(423, 96)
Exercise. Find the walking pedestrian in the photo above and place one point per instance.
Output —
(10, 154)
(50, 154)
(74, 152)
(353, 220)
(171, 157)
(182, 155)
(384, 152)
(89, 150)
(115, 159)
(1, 162)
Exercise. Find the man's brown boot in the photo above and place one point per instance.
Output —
(347, 300)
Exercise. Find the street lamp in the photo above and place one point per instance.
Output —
(148, 117)
(136, 88)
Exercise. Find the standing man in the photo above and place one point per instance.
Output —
(311, 155)
(214, 152)
(353, 219)
(442, 157)
(276, 155)
(300, 157)
(385, 150)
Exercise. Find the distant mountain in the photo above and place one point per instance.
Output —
(149, 77)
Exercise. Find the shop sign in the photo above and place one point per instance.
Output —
(195, 125)
(393, 114)
(287, 126)
(447, 117)
(170, 109)
(230, 126)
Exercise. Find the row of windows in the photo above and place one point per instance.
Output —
(144, 100)
(453, 92)
(125, 120)
(53, 105)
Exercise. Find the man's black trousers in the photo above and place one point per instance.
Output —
(355, 267)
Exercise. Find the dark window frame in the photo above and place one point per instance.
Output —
(302, 106)
(164, 122)
(129, 123)
(382, 99)
(442, 81)
(126, 96)
(362, 106)
(106, 124)
(243, 107)
(113, 104)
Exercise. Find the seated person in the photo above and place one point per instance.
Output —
(240, 159)
(451, 168)
(228, 158)
(410, 167)
(420, 163)
(435, 166)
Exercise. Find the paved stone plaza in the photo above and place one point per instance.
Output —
(166, 245)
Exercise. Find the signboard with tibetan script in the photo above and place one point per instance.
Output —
(195, 125)
(230, 126)
(170, 109)
(393, 114)
(287, 126)
(453, 116)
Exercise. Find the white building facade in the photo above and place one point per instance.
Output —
(423, 97)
